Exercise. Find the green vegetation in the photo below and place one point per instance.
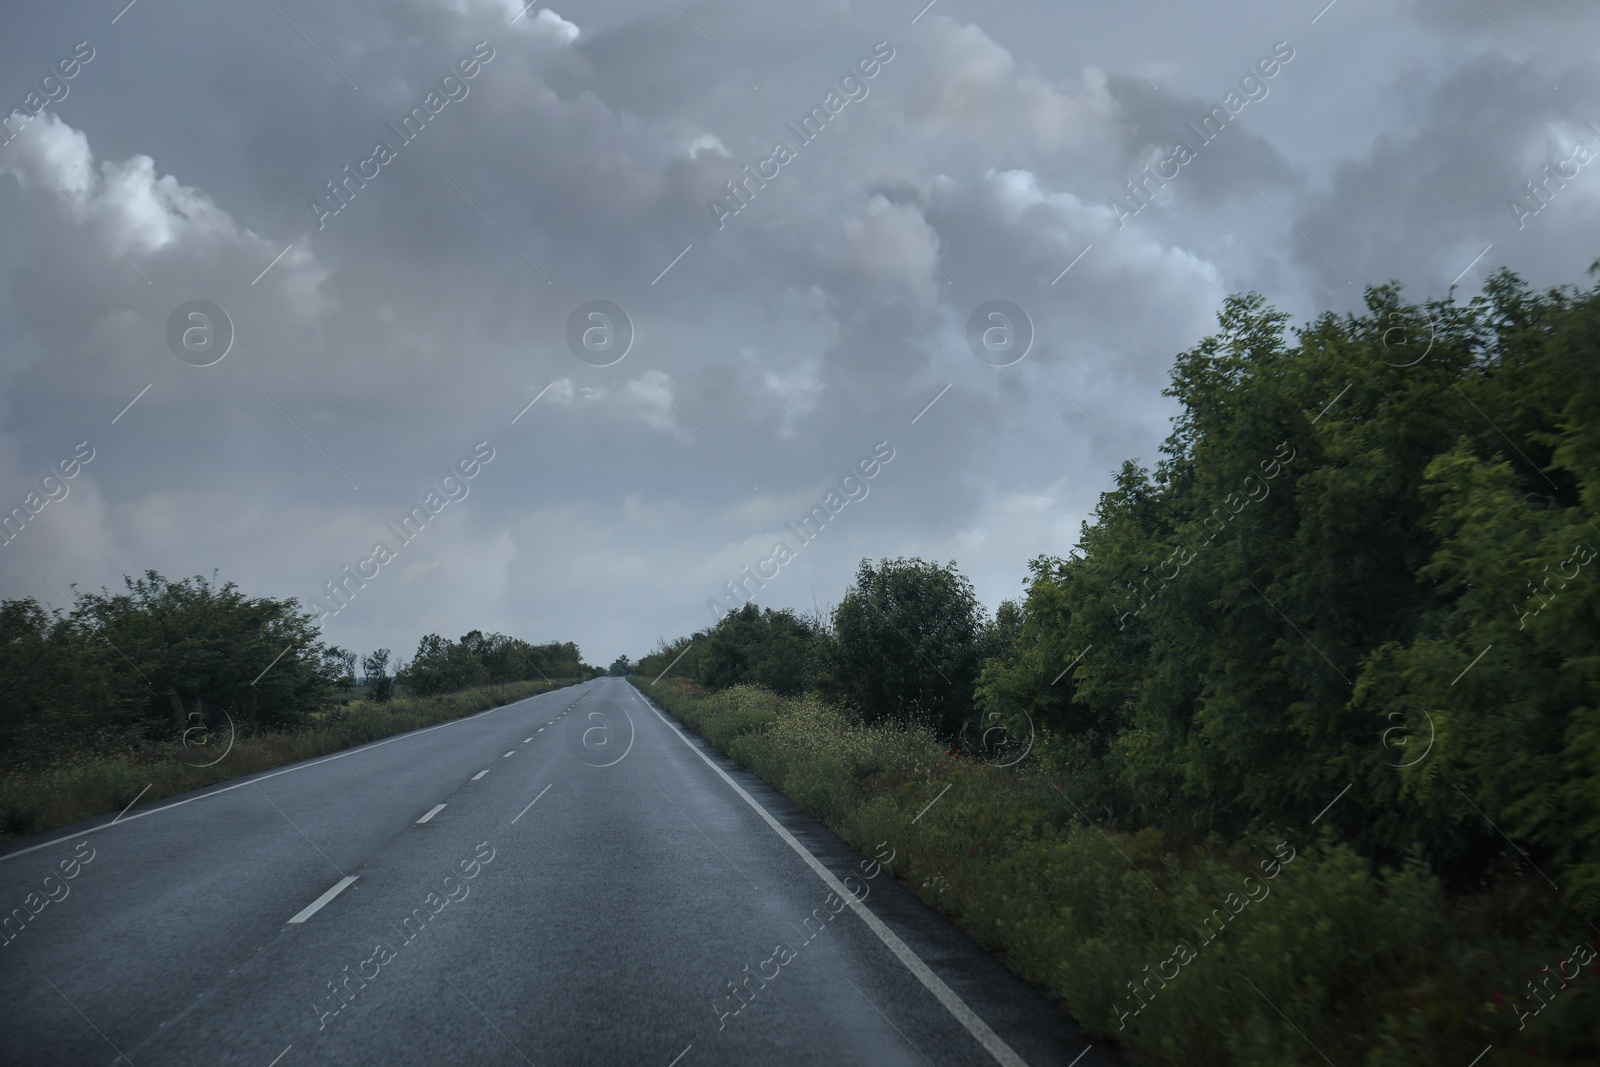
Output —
(905, 643)
(380, 686)
(177, 685)
(749, 644)
(1257, 616)
(1385, 969)
(443, 666)
(1353, 611)
(148, 663)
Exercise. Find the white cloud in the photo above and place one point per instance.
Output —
(649, 398)
(137, 209)
(891, 245)
(544, 24)
(553, 27)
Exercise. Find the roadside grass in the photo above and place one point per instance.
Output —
(1331, 959)
(82, 786)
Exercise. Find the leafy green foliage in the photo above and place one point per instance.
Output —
(907, 643)
(154, 660)
(380, 684)
(443, 666)
(129, 675)
(1358, 596)
(776, 649)
(1339, 527)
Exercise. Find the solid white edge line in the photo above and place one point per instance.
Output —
(991, 1041)
(480, 774)
(437, 808)
(316, 905)
(261, 778)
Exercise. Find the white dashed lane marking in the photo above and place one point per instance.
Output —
(437, 808)
(316, 905)
(480, 774)
(531, 803)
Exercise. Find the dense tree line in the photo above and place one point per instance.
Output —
(442, 665)
(162, 657)
(906, 642)
(1365, 558)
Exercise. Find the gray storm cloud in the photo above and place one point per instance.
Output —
(980, 163)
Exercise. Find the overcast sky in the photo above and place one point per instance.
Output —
(771, 349)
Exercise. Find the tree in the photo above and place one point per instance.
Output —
(169, 647)
(905, 643)
(675, 658)
(1002, 635)
(143, 663)
(51, 689)
(347, 661)
(1365, 567)
(621, 666)
(441, 666)
(759, 646)
(1288, 606)
(380, 687)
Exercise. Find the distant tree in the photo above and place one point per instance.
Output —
(347, 663)
(153, 661)
(380, 687)
(441, 666)
(762, 646)
(621, 666)
(677, 658)
(1002, 635)
(757, 645)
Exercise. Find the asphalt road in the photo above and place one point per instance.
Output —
(571, 879)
